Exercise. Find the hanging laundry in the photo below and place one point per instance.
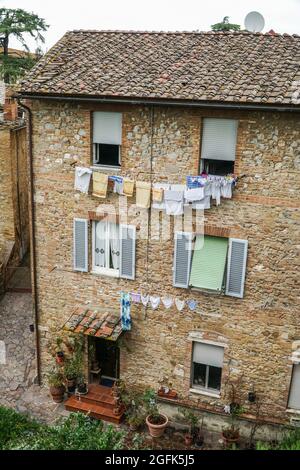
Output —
(167, 301)
(160, 187)
(143, 194)
(135, 297)
(128, 187)
(192, 304)
(203, 204)
(195, 181)
(226, 188)
(216, 190)
(194, 194)
(125, 312)
(157, 194)
(179, 304)
(82, 179)
(100, 181)
(145, 299)
(118, 185)
(174, 200)
(154, 301)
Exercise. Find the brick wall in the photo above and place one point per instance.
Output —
(258, 329)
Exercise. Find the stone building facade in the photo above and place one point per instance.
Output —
(165, 104)
(257, 331)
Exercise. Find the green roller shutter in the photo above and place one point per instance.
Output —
(209, 263)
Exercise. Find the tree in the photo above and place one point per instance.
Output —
(225, 25)
(16, 23)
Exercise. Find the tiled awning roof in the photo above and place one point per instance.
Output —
(98, 322)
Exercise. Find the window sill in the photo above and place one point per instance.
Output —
(292, 411)
(105, 168)
(106, 272)
(204, 392)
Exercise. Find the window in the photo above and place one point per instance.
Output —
(215, 264)
(294, 396)
(218, 146)
(107, 139)
(113, 248)
(207, 367)
(106, 248)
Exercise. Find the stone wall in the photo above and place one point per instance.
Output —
(164, 145)
(14, 216)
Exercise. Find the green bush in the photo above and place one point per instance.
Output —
(291, 441)
(77, 432)
(13, 425)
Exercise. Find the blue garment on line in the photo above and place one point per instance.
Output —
(125, 312)
(117, 179)
(193, 182)
(192, 304)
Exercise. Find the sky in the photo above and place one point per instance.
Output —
(283, 16)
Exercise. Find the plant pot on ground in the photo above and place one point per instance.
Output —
(188, 439)
(230, 436)
(81, 387)
(155, 421)
(57, 388)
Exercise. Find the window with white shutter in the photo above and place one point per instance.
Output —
(80, 247)
(218, 146)
(207, 366)
(107, 138)
(106, 248)
(127, 251)
(294, 396)
(182, 259)
(236, 267)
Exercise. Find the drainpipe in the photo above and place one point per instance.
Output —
(32, 238)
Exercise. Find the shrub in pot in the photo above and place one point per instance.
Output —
(71, 374)
(81, 387)
(192, 420)
(156, 422)
(56, 383)
(231, 434)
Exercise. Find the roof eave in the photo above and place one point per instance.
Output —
(161, 102)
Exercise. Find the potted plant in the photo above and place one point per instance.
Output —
(59, 352)
(56, 383)
(231, 434)
(155, 421)
(192, 420)
(199, 439)
(70, 373)
(133, 404)
(81, 387)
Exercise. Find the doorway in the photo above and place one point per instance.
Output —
(107, 354)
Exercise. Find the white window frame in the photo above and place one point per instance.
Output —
(103, 165)
(97, 269)
(200, 388)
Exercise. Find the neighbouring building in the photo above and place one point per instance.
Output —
(157, 108)
(14, 213)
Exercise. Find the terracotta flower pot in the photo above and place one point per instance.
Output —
(230, 440)
(188, 440)
(60, 357)
(157, 430)
(57, 393)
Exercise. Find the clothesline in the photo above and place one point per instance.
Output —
(198, 190)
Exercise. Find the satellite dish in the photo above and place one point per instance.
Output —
(254, 22)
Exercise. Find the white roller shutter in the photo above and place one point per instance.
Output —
(80, 245)
(127, 251)
(294, 397)
(182, 259)
(107, 128)
(208, 354)
(219, 139)
(236, 267)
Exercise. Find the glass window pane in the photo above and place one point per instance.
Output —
(214, 377)
(199, 374)
(106, 154)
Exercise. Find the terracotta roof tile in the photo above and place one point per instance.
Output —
(175, 66)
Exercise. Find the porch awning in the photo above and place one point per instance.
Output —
(101, 323)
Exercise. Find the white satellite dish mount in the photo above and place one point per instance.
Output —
(254, 22)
